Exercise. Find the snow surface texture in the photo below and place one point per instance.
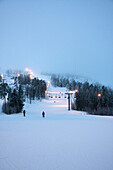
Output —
(63, 140)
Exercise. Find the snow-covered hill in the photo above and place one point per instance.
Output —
(63, 140)
(66, 140)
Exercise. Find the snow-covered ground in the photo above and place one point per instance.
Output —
(63, 140)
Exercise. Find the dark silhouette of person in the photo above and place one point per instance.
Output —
(43, 114)
(24, 112)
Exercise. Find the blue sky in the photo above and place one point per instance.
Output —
(68, 36)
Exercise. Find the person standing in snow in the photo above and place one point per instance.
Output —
(43, 114)
(24, 112)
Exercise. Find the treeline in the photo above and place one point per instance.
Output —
(93, 98)
(34, 88)
(12, 72)
(23, 87)
(14, 102)
(4, 88)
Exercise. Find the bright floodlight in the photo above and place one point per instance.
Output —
(26, 69)
(1, 75)
(99, 94)
(18, 75)
(30, 76)
(76, 90)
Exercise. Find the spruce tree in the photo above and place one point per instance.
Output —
(20, 99)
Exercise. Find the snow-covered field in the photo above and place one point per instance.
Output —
(63, 140)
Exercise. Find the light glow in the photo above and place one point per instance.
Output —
(26, 69)
(71, 92)
(30, 76)
(76, 90)
(99, 94)
(1, 75)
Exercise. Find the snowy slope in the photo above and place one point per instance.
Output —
(63, 140)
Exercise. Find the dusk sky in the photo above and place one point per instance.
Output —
(67, 36)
